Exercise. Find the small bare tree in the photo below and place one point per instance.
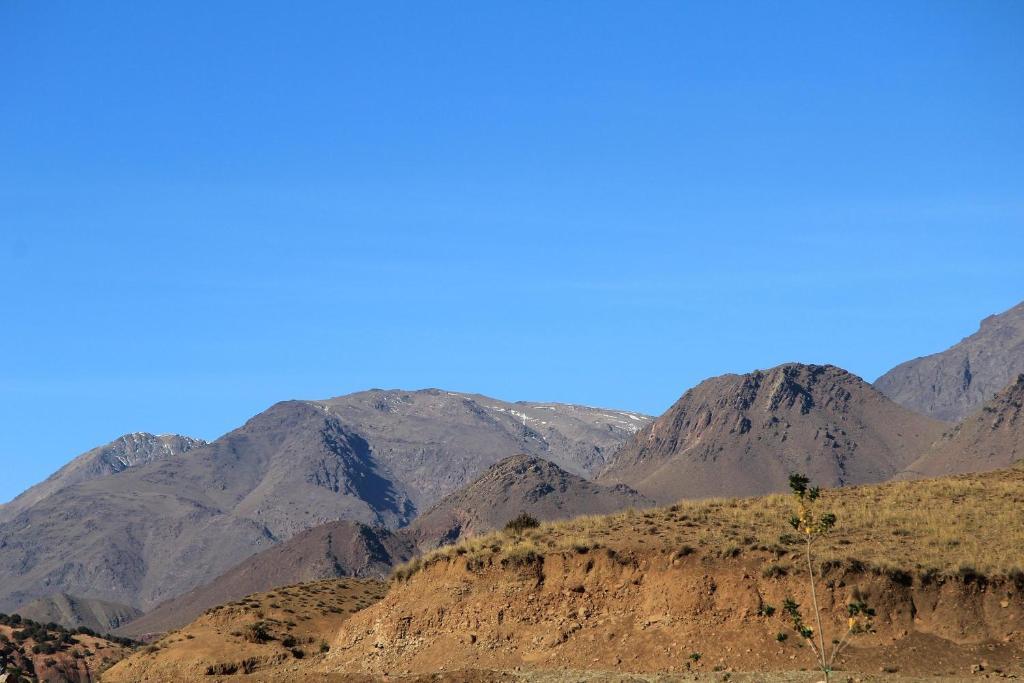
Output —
(812, 525)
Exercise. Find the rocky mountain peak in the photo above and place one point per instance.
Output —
(743, 434)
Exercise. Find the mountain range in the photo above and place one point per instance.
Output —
(353, 485)
(156, 529)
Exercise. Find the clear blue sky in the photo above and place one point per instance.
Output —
(209, 207)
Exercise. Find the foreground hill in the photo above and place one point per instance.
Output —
(688, 589)
(517, 484)
(31, 651)
(260, 632)
(130, 450)
(955, 383)
(990, 439)
(73, 612)
(744, 434)
(159, 529)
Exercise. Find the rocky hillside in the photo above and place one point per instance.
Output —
(990, 439)
(956, 382)
(73, 612)
(518, 484)
(117, 456)
(159, 529)
(332, 550)
(744, 434)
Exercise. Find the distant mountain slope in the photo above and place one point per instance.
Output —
(992, 438)
(72, 612)
(159, 529)
(740, 435)
(437, 441)
(117, 456)
(956, 382)
(332, 550)
(518, 484)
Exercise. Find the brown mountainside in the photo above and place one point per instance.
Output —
(744, 434)
(990, 439)
(956, 382)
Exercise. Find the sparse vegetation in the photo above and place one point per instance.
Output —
(521, 523)
(257, 633)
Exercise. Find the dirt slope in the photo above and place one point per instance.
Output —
(955, 383)
(646, 591)
(990, 439)
(297, 624)
(637, 594)
(72, 612)
(744, 434)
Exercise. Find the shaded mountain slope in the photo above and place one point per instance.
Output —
(744, 434)
(332, 550)
(518, 484)
(436, 441)
(160, 529)
(73, 612)
(955, 383)
(992, 438)
(130, 450)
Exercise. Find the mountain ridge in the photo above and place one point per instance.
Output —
(164, 527)
(952, 384)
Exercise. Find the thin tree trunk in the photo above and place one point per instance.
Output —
(817, 613)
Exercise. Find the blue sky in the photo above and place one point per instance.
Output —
(209, 207)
